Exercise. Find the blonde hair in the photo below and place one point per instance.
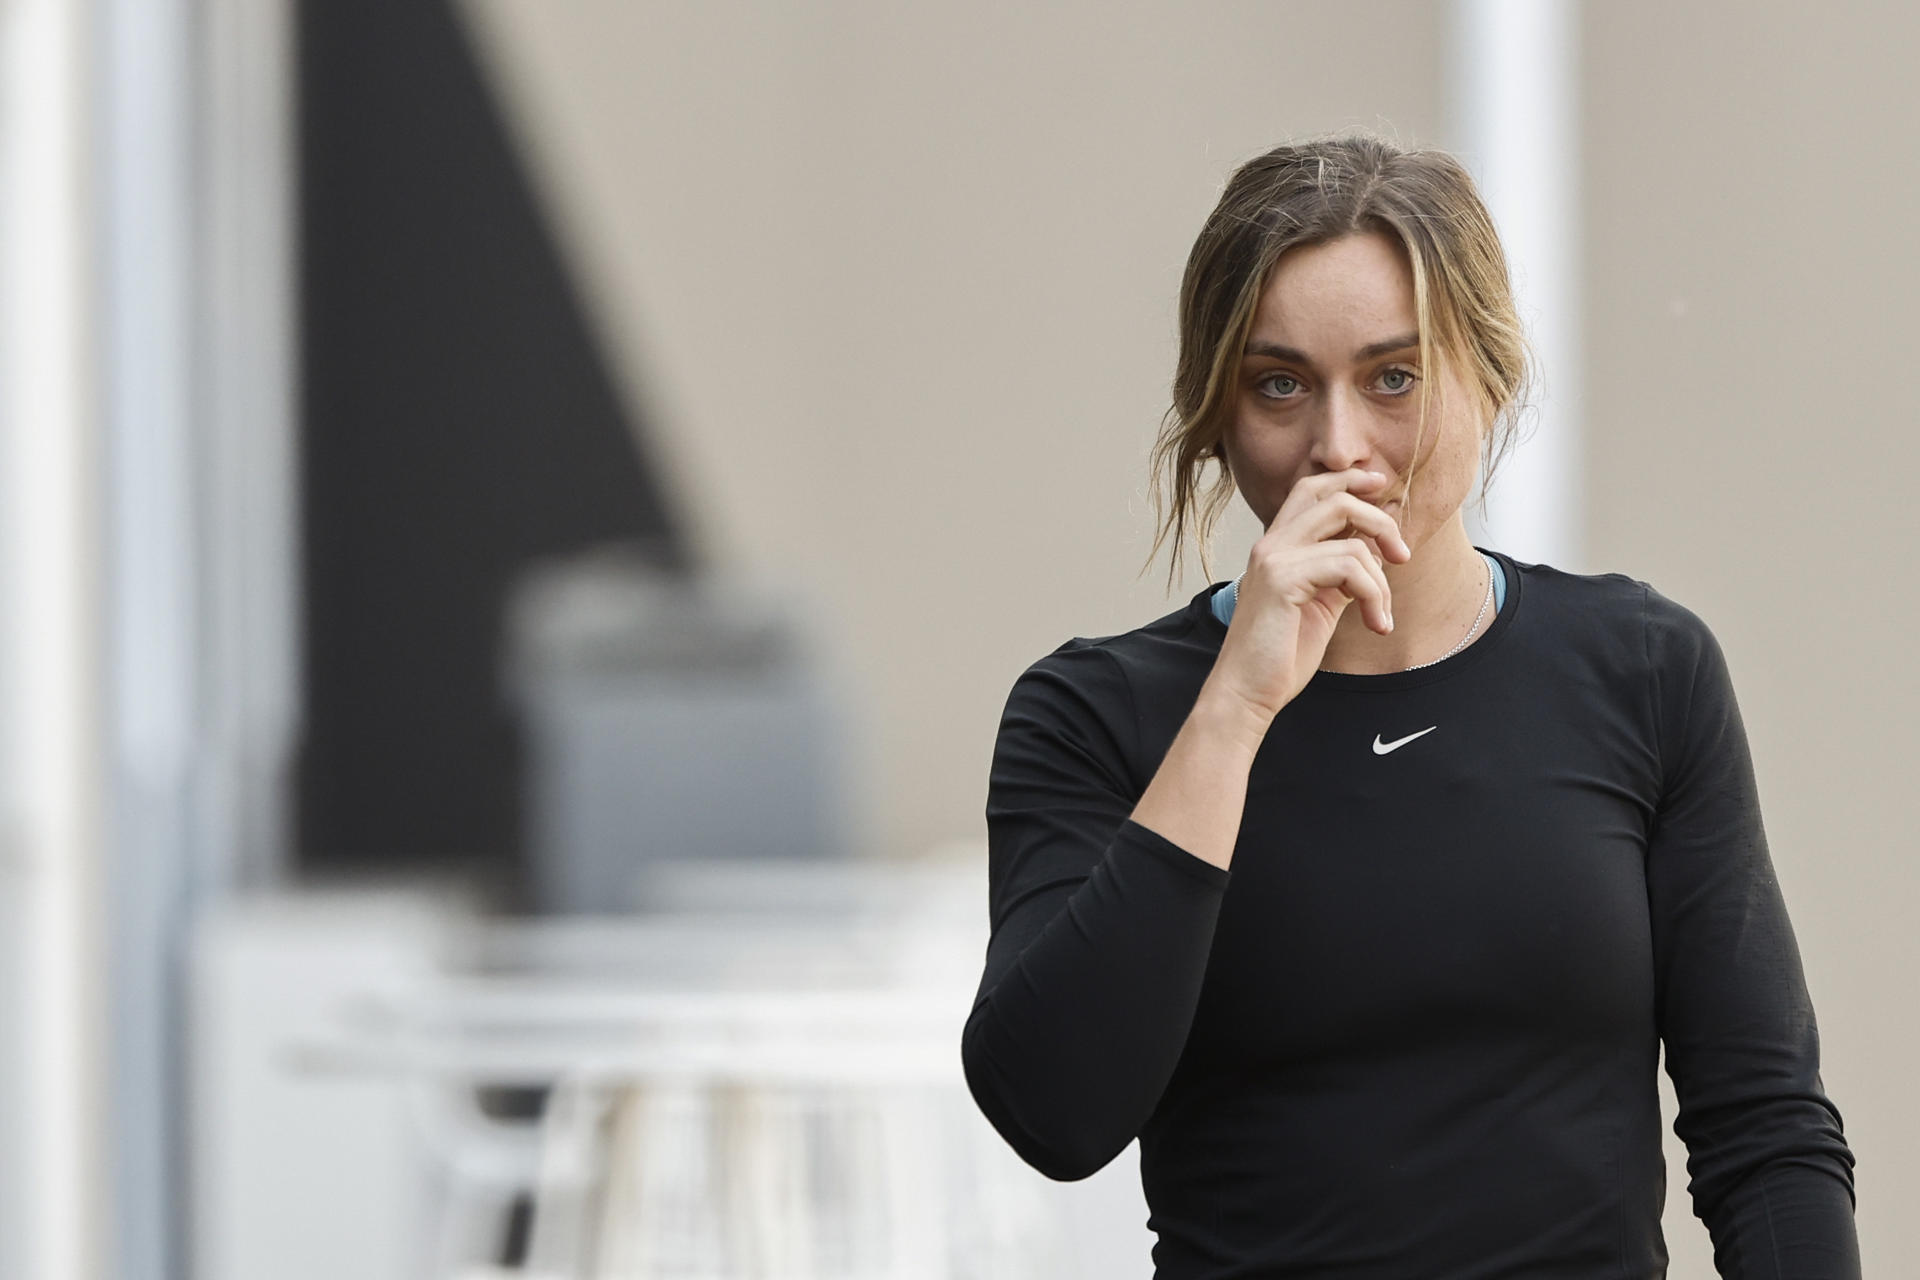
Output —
(1308, 193)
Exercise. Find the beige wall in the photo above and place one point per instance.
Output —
(1752, 193)
(896, 283)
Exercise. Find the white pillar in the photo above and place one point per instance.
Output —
(1514, 104)
(247, 483)
(51, 778)
(144, 205)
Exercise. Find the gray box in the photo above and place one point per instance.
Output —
(667, 717)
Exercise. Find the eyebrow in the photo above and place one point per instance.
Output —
(1385, 347)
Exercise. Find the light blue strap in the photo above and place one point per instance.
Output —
(1225, 598)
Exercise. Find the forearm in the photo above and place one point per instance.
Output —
(1771, 1174)
(1070, 1045)
(1103, 918)
(1791, 1220)
(1199, 793)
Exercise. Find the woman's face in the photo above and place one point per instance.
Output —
(1331, 379)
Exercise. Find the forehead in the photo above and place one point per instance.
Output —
(1325, 296)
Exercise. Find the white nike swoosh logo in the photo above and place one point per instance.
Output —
(1381, 748)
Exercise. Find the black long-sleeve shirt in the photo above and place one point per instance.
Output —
(1414, 1031)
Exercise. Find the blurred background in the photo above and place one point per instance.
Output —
(518, 520)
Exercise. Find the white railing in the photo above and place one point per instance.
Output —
(750, 1094)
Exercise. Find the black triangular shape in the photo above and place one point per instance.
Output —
(458, 422)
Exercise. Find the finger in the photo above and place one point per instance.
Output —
(1349, 566)
(1356, 571)
(1313, 489)
(1384, 528)
(1342, 515)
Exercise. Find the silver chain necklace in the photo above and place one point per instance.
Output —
(1443, 657)
(1470, 630)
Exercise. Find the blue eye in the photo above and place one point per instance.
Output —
(1272, 378)
(1408, 374)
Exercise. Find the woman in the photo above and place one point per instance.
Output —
(1369, 922)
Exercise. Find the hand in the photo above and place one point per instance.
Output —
(1326, 547)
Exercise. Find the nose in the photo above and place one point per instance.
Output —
(1341, 435)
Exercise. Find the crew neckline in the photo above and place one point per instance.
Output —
(1203, 617)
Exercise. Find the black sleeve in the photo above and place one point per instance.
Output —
(1100, 928)
(1771, 1174)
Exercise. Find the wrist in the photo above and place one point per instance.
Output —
(1229, 714)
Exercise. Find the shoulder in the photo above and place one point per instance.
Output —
(1563, 598)
(1628, 610)
(1077, 691)
(1081, 669)
(1114, 686)
(1630, 628)
(1586, 628)
(1678, 638)
(1108, 664)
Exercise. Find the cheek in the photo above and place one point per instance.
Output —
(1445, 478)
(1456, 450)
(1242, 452)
